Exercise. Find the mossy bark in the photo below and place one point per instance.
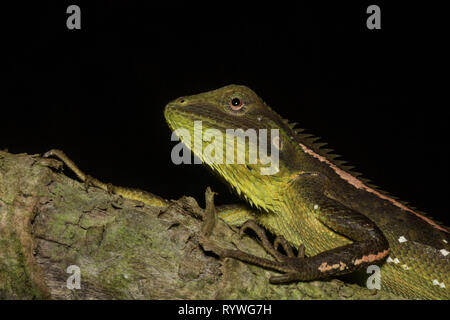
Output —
(124, 250)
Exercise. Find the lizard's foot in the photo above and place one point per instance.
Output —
(291, 273)
(261, 233)
(283, 263)
(279, 241)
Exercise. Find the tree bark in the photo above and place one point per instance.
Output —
(123, 249)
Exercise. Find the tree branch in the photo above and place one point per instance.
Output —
(124, 250)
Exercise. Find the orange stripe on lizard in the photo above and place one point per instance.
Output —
(372, 257)
(360, 185)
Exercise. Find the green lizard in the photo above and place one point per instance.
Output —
(337, 222)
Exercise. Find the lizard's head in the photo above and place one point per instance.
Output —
(228, 128)
(232, 106)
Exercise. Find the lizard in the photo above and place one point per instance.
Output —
(338, 223)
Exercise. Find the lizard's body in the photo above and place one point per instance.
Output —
(343, 224)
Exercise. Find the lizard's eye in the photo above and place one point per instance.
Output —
(236, 104)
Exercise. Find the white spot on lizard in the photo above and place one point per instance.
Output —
(445, 241)
(396, 261)
(444, 252)
(389, 260)
(437, 283)
(402, 239)
(316, 207)
(404, 266)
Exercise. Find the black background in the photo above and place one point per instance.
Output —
(98, 93)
